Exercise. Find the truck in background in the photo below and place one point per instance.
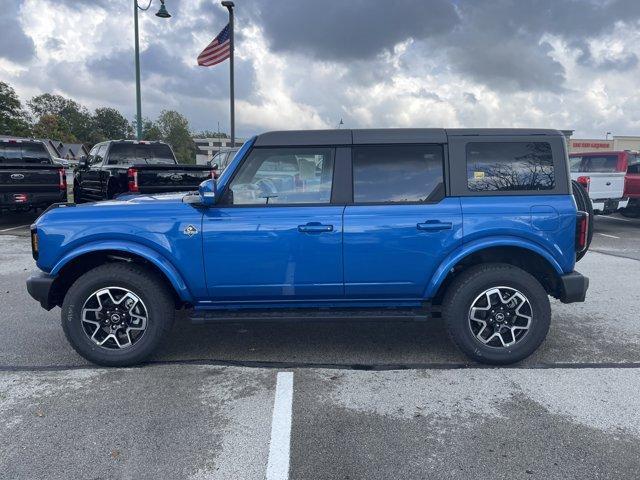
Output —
(602, 174)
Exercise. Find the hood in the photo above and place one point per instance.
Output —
(135, 199)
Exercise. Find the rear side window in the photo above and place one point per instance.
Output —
(595, 163)
(397, 173)
(509, 166)
(132, 153)
(23, 152)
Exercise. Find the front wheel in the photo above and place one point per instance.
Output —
(496, 313)
(117, 314)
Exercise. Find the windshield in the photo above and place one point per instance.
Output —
(29, 152)
(132, 153)
(594, 163)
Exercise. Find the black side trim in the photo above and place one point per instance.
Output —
(573, 287)
(341, 193)
(39, 287)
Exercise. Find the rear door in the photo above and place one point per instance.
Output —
(276, 233)
(632, 179)
(401, 224)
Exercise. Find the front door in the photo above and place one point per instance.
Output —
(400, 225)
(91, 177)
(274, 235)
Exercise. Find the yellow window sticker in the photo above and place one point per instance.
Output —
(478, 175)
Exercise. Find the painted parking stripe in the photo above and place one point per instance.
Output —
(607, 235)
(13, 228)
(280, 443)
(606, 217)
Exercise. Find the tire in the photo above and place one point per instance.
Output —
(632, 210)
(467, 290)
(154, 303)
(583, 202)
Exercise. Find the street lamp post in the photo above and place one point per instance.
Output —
(229, 6)
(162, 13)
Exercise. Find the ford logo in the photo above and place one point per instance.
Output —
(17, 176)
(176, 177)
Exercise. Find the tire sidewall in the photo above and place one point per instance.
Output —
(140, 286)
(458, 322)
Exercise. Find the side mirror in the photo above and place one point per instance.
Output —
(207, 191)
(83, 162)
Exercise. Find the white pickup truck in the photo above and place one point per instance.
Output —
(602, 175)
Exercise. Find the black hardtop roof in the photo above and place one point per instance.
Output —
(386, 135)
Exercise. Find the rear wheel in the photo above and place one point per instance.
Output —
(632, 210)
(496, 313)
(117, 314)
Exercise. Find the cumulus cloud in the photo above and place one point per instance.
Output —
(308, 63)
(16, 45)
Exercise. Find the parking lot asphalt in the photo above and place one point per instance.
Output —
(369, 400)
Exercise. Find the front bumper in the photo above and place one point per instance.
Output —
(39, 286)
(573, 287)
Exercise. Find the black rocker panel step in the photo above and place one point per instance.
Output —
(309, 314)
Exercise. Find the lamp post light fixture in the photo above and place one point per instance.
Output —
(162, 13)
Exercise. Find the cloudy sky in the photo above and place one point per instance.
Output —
(308, 63)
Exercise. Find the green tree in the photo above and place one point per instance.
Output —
(150, 130)
(175, 131)
(52, 126)
(13, 119)
(72, 116)
(110, 124)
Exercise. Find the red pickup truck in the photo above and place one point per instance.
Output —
(632, 186)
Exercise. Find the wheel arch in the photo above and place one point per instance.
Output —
(69, 268)
(517, 252)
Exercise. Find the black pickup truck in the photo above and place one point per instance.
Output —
(128, 166)
(28, 177)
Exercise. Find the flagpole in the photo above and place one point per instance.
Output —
(230, 6)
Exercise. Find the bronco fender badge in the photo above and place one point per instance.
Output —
(190, 231)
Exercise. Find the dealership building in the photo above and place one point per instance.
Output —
(614, 144)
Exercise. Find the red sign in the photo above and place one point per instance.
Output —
(590, 145)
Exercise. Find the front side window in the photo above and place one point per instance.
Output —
(283, 176)
(509, 166)
(97, 157)
(397, 173)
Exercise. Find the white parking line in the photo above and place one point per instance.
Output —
(280, 443)
(607, 217)
(607, 235)
(13, 228)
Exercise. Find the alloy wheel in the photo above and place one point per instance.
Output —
(500, 317)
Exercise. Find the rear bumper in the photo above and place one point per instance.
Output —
(573, 287)
(39, 286)
(31, 199)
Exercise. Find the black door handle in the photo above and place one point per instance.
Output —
(315, 227)
(434, 226)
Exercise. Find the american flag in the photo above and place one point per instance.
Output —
(217, 51)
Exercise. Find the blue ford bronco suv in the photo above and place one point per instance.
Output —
(479, 226)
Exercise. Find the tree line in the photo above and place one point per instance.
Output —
(59, 118)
